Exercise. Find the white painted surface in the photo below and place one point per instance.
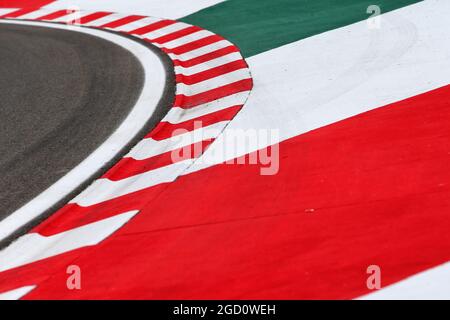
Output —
(433, 284)
(32, 15)
(4, 11)
(172, 9)
(151, 94)
(34, 247)
(16, 294)
(341, 73)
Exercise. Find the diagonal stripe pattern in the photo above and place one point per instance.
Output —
(212, 84)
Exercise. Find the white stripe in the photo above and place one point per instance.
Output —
(77, 15)
(16, 294)
(170, 9)
(341, 73)
(201, 51)
(231, 57)
(152, 91)
(33, 15)
(4, 11)
(188, 39)
(103, 189)
(178, 115)
(107, 19)
(433, 284)
(213, 83)
(137, 24)
(166, 30)
(148, 148)
(34, 247)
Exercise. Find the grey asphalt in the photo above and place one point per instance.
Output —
(62, 93)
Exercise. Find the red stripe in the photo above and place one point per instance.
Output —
(194, 45)
(211, 73)
(90, 17)
(206, 57)
(176, 35)
(128, 167)
(56, 15)
(152, 27)
(18, 13)
(165, 130)
(122, 21)
(187, 102)
(24, 3)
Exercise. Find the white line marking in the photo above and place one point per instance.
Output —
(151, 94)
(34, 247)
(33, 15)
(16, 294)
(4, 11)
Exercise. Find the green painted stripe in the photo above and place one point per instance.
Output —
(260, 25)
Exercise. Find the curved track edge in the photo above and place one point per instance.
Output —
(213, 83)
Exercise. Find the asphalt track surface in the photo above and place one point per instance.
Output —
(62, 94)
